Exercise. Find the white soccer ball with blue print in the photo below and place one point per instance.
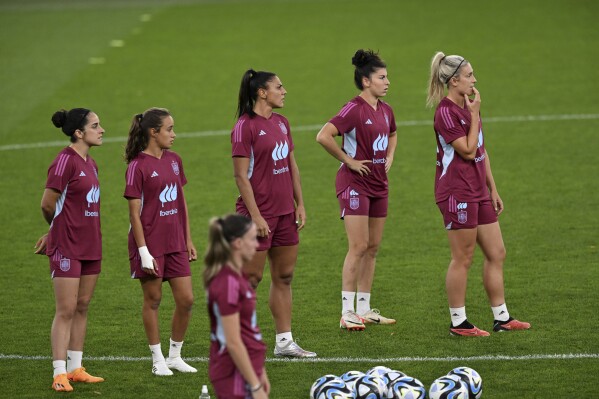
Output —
(407, 388)
(470, 378)
(390, 377)
(370, 387)
(316, 387)
(350, 378)
(448, 387)
(378, 371)
(336, 389)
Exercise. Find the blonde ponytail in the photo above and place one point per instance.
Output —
(443, 68)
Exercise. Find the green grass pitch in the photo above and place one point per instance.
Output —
(537, 68)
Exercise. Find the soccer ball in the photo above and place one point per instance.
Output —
(370, 387)
(448, 387)
(390, 378)
(471, 379)
(407, 388)
(350, 378)
(315, 390)
(378, 371)
(335, 389)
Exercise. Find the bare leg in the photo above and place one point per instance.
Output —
(183, 294)
(87, 284)
(356, 228)
(367, 266)
(462, 243)
(152, 290)
(491, 243)
(255, 268)
(66, 291)
(282, 263)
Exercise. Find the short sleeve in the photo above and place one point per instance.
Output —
(241, 139)
(345, 120)
(225, 294)
(134, 181)
(181, 170)
(60, 172)
(449, 124)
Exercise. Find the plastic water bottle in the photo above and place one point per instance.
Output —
(204, 394)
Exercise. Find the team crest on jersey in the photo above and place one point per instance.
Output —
(283, 127)
(462, 213)
(354, 203)
(175, 166)
(65, 264)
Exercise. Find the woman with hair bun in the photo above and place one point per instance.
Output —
(268, 180)
(466, 194)
(367, 125)
(237, 352)
(160, 245)
(71, 206)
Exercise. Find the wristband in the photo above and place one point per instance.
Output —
(256, 388)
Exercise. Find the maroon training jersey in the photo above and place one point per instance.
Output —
(230, 293)
(159, 184)
(465, 180)
(365, 136)
(267, 143)
(75, 230)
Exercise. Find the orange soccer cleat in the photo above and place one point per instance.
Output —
(61, 383)
(510, 325)
(80, 375)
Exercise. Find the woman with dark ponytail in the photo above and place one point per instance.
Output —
(367, 125)
(237, 352)
(71, 206)
(160, 245)
(466, 194)
(268, 180)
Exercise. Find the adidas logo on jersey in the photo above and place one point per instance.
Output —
(262, 133)
(82, 174)
(369, 122)
(154, 174)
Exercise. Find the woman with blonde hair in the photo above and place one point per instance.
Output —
(466, 194)
(237, 353)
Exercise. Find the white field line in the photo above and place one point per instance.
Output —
(549, 356)
(315, 128)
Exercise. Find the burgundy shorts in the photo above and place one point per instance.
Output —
(352, 203)
(283, 232)
(65, 267)
(466, 215)
(171, 265)
(232, 387)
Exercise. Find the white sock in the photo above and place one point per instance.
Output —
(347, 300)
(60, 367)
(363, 302)
(458, 315)
(500, 312)
(283, 339)
(174, 349)
(73, 360)
(157, 355)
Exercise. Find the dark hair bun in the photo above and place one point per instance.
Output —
(59, 118)
(362, 57)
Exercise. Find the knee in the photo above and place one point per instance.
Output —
(83, 304)
(463, 261)
(66, 311)
(358, 249)
(254, 279)
(283, 278)
(185, 303)
(372, 250)
(152, 302)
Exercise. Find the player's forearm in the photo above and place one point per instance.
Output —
(392, 145)
(247, 195)
(490, 180)
(241, 358)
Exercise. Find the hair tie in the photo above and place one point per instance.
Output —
(139, 116)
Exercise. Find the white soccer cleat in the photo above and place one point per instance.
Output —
(160, 368)
(374, 316)
(178, 364)
(293, 350)
(351, 321)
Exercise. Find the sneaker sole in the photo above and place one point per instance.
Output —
(466, 335)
